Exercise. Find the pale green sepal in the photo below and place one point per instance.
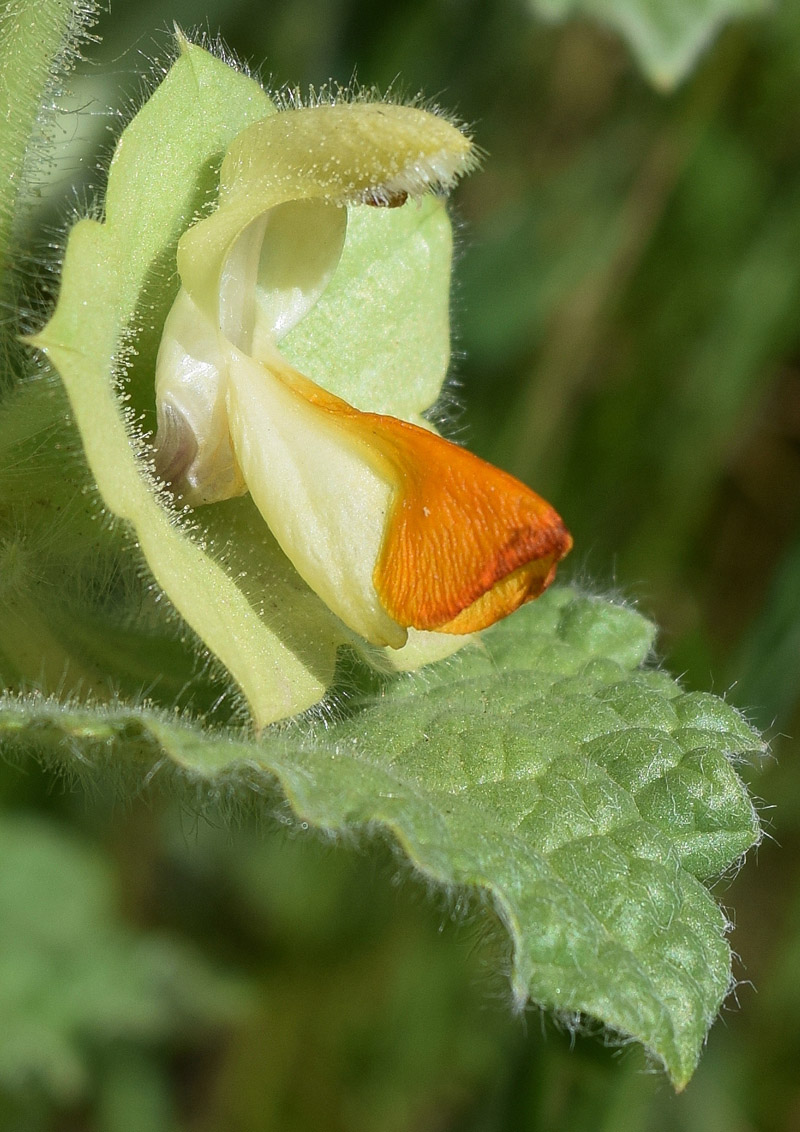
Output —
(379, 337)
(163, 171)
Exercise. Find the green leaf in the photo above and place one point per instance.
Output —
(666, 38)
(581, 790)
(39, 40)
(73, 977)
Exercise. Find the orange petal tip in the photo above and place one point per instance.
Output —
(466, 543)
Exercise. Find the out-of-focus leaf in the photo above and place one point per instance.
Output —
(768, 665)
(586, 794)
(666, 38)
(39, 40)
(362, 990)
(717, 382)
(72, 976)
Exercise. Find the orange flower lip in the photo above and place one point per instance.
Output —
(465, 543)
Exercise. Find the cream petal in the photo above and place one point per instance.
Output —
(324, 503)
(424, 647)
(275, 272)
(193, 450)
(340, 154)
(236, 308)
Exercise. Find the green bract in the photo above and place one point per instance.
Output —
(226, 575)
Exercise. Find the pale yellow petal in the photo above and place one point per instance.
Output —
(193, 450)
(323, 501)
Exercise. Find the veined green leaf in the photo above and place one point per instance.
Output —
(584, 793)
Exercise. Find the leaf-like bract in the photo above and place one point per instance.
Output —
(222, 570)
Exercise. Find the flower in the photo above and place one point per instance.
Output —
(308, 336)
(393, 527)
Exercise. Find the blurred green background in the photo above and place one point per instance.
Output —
(627, 326)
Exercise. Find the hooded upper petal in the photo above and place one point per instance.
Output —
(343, 154)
